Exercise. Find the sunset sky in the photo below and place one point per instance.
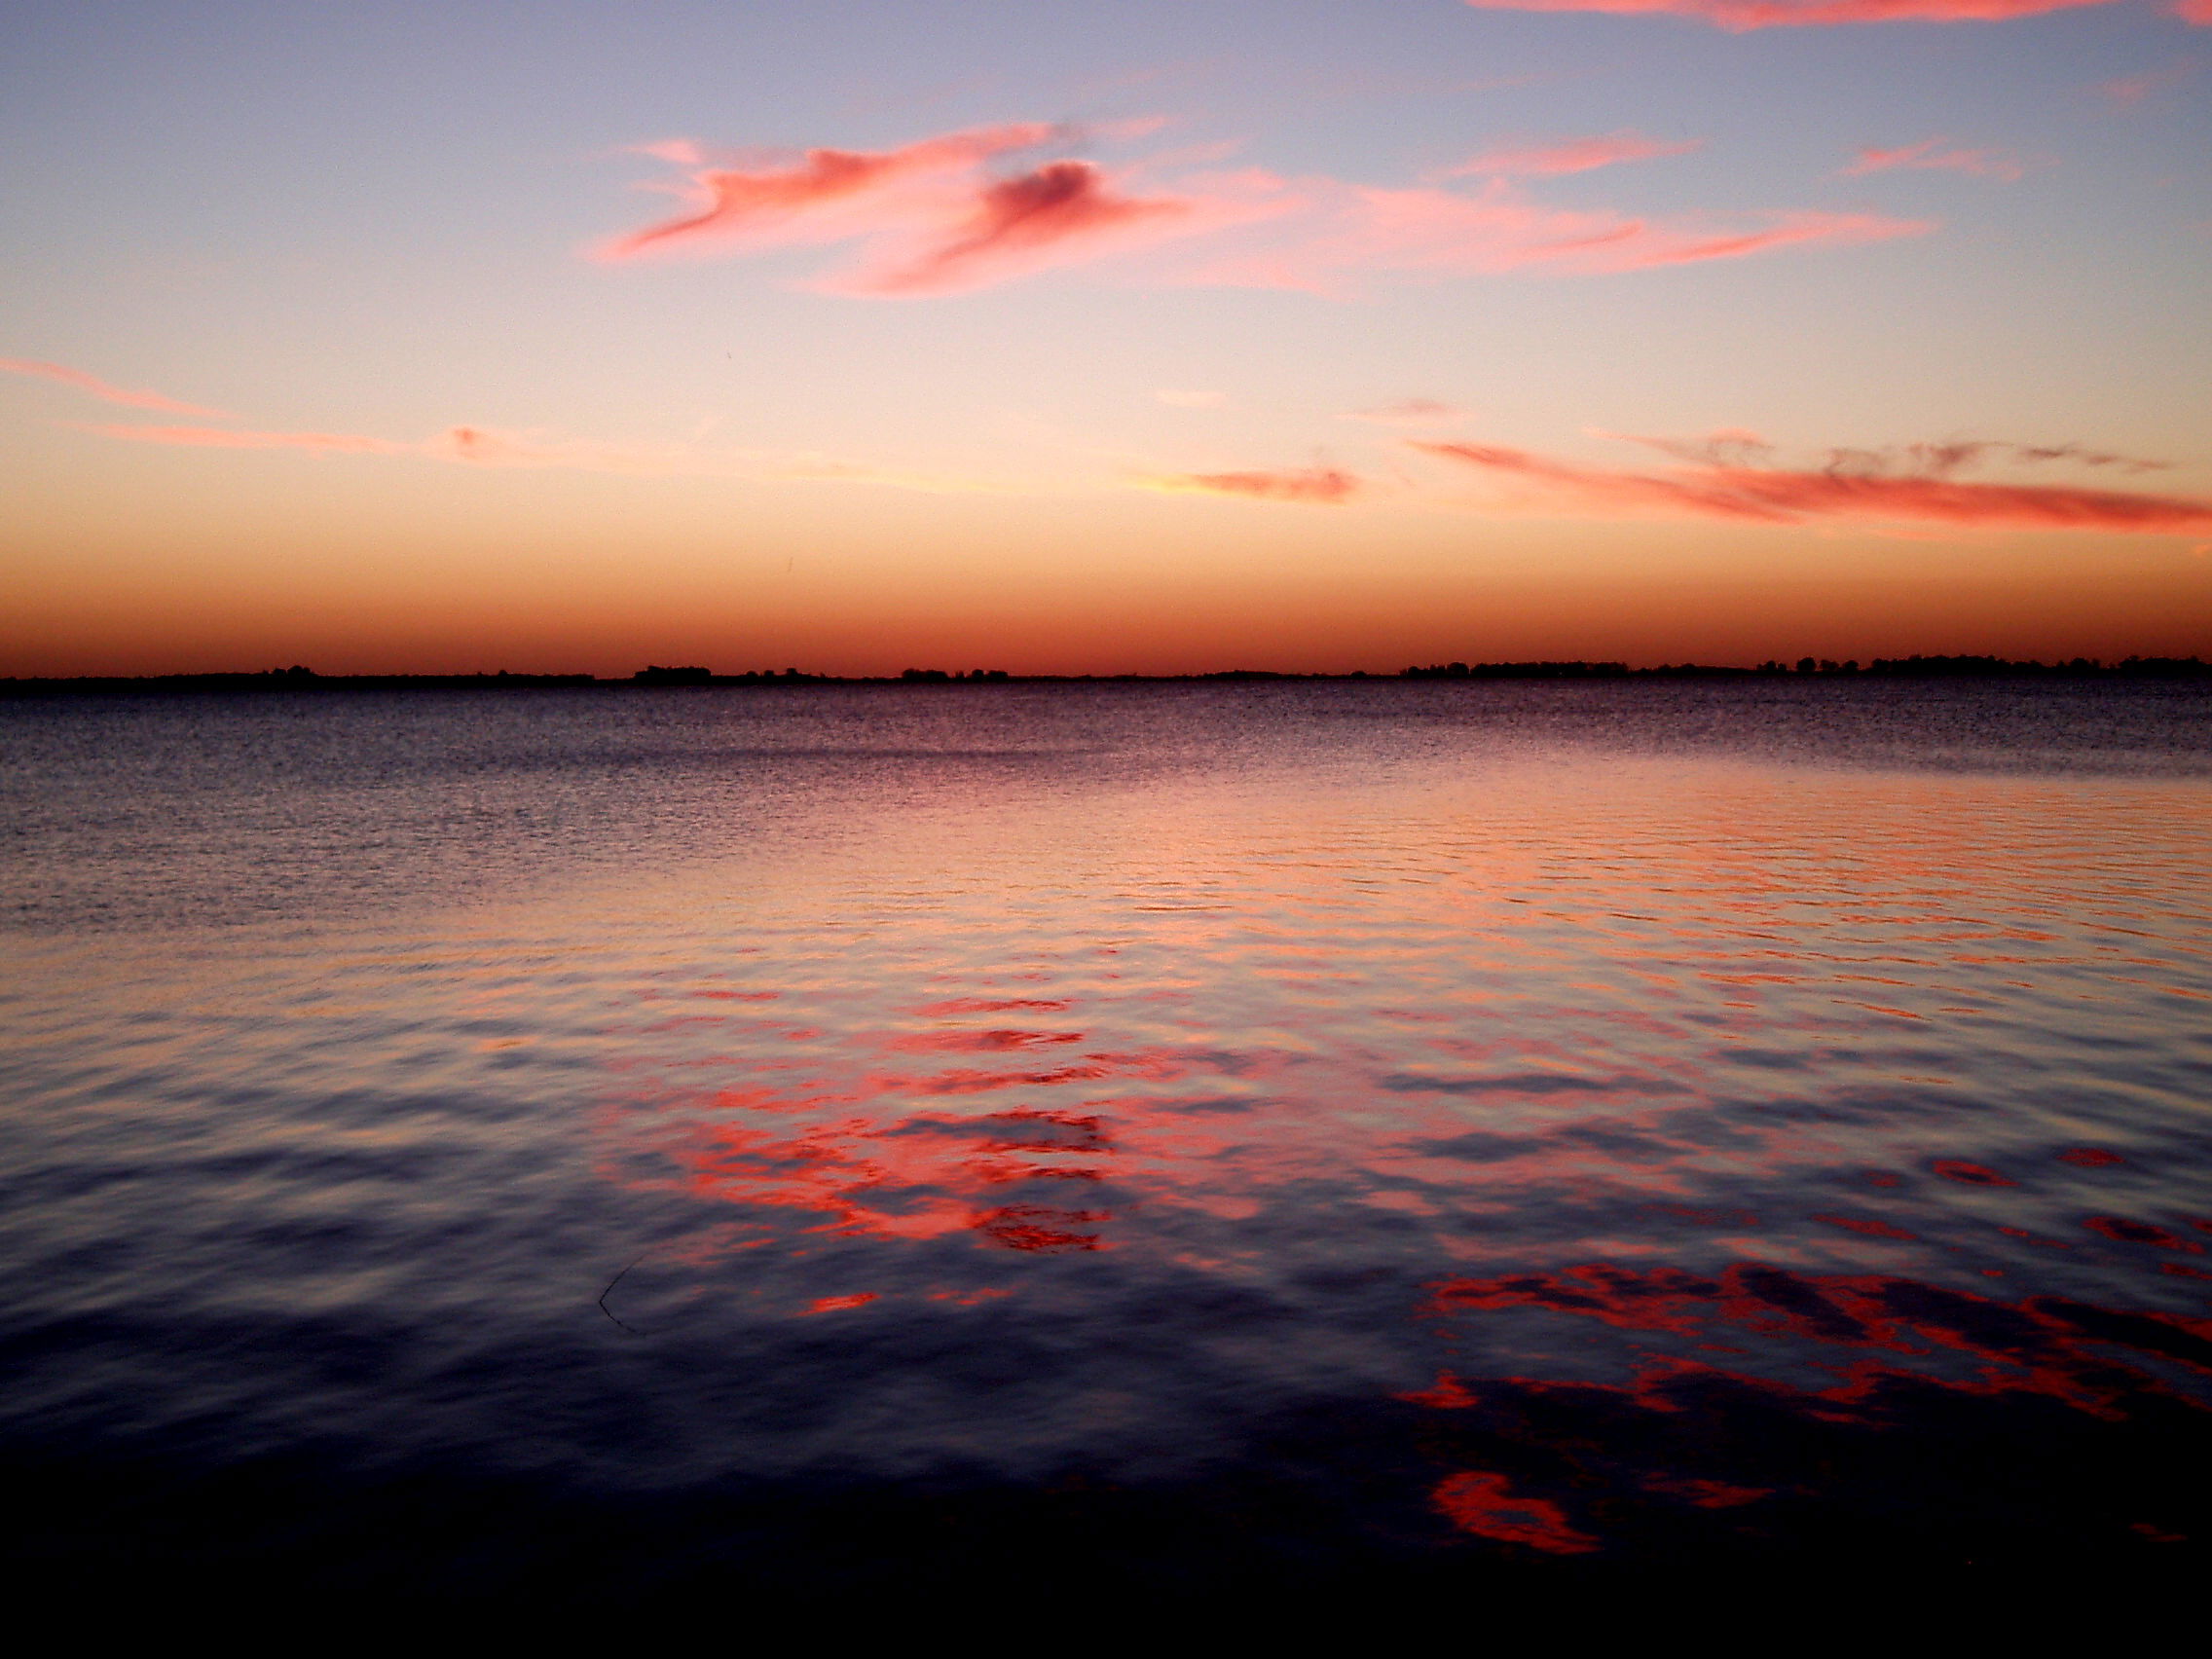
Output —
(1075, 337)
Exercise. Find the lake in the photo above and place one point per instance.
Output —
(586, 1146)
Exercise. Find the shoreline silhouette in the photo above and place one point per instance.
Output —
(300, 678)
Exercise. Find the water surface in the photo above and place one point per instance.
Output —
(619, 1139)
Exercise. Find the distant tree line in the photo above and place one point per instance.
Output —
(658, 676)
(1516, 671)
(301, 677)
(1899, 668)
(2134, 667)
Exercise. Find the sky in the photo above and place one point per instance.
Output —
(1159, 336)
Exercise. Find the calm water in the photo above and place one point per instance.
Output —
(590, 1143)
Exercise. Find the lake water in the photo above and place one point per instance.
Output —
(594, 1144)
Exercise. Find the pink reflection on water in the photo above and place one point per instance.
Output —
(1624, 1053)
(985, 1005)
(1480, 1501)
(2044, 1345)
(894, 1153)
(1708, 1494)
(867, 1153)
(977, 1042)
(843, 1304)
(1897, 1344)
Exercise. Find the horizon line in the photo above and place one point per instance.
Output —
(656, 677)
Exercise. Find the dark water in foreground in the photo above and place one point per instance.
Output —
(590, 1146)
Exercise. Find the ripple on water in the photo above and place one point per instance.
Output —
(1608, 1138)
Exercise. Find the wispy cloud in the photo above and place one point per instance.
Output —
(1929, 156)
(1738, 16)
(680, 151)
(1725, 482)
(929, 218)
(1314, 486)
(1567, 156)
(2080, 456)
(1410, 412)
(227, 437)
(62, 375)
(2128, 90)
(1352, 231)
(479, 447)
(2198, 12)
(1728, 446)
(1734, 446)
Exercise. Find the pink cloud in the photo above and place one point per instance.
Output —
(683, 152)
(1314, 486)
(2198, 12)
(1568, 156)
(1733, 446)
(1063, 210)
(2083, 456)
(1927, 155)
(1426, 233)
(63, 375)
(224, 437)
(784, 203)
(1735, 490)
(1410, 412)
(1738, 16)
(474, 446)
(2128, 90)
(928, 219)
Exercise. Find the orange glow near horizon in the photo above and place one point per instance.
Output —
(471, 552)
(868, 581)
